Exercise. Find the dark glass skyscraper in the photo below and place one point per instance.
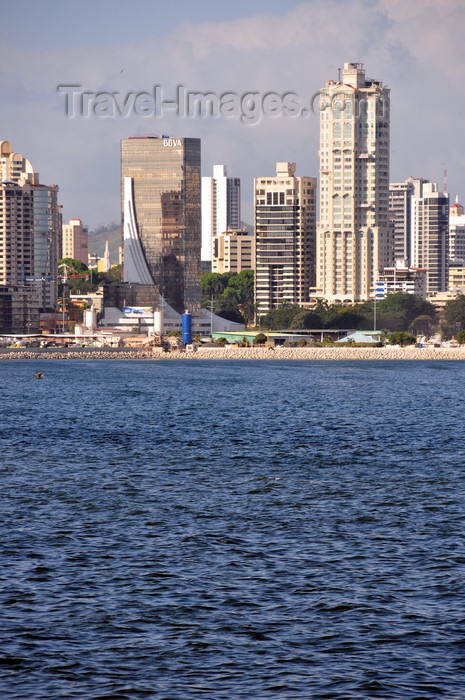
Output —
(161, 209)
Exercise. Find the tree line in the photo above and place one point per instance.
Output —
(231, 296)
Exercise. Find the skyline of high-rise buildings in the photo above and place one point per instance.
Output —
(171, 216)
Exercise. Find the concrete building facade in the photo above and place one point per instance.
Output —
(456, 234)
(402, 278)
(75, 241)
(400, 194)
(285, 222)
(233, 251)
(353, 236)
(30, 235)
(456, 278)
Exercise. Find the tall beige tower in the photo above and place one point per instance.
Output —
(353, 234)
(75, 241)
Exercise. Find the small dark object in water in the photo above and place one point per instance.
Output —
(38, 375)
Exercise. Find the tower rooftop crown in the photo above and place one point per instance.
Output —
(354, 74)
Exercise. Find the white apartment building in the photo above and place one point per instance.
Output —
(399, 216)
(430, 234)
(402, 278)
(456, 234)
(221, 207)
(285, 222)
(354, 240)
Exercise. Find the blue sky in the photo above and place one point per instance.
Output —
(415, 47)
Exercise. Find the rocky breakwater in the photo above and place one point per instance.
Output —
(233, 353)
(76, 354)
(336, 352)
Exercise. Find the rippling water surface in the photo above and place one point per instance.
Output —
(210, 529)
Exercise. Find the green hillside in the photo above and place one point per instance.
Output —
(112, 234)
(98, 238)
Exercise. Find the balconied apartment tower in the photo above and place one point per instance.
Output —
(354, 238)
(285, 222)
(30, 235)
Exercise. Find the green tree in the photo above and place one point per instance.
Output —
(401, 338)
(421, 325)
(213, 285)
(461, 337)
(260, 339)
(232, 294)
(77, 274)
(454, 311)
(397, 311)
(243, 283)
(348, 317)
(73, 266)
(306, 320)
(230, 312)
(113, 276)
(281, 318)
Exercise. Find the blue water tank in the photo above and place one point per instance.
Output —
(186, 327)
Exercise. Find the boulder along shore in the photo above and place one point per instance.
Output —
(226, 353)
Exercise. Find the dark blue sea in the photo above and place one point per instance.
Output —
(232, 529)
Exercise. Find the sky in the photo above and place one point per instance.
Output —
(114, 51)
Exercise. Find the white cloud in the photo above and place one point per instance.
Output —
(415, 47)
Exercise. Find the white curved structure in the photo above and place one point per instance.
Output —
(136, 270)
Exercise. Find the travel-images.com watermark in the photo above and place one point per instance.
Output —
(249, 107)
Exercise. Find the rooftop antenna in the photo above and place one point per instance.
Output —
(445, 181)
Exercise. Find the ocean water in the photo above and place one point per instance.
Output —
(232, 529)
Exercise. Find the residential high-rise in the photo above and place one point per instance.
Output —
(400, 194)
(161, 211)
(285, 220)
(353, 239)
(221, 207)
(402, 278)
(456, 234)
(30, 232)
(430, 234)
(75, 238)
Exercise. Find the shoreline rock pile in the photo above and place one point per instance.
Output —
(235, 353)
